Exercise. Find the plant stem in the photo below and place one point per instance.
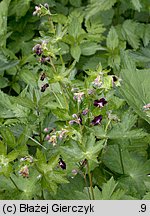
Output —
(87, 186)
(121, 159)
(40, 127)
(14, 183)
(57, 98)
(107, 125)
(90, 179)
(53, 66)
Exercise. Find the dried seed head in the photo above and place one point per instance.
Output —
(24, 171)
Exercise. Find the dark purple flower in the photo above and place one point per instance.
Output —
(44, 59)
(42, 77)
(97, 120)
(62, 164)
(44, 87)
(100, 103)
(114, 78)
(80, 120)
(38, 49)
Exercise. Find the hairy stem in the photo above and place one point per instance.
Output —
(121, 159)
(90, 179)
(40, 127)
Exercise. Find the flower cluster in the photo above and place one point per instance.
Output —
(78, 96)
(39, 49)
(97, 82)
(25, 163)
(53, 136)
(77, 119)
(41, 10)
(97, 103)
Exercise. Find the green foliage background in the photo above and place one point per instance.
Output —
(85, 40)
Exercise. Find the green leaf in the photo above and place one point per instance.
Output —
(61, 114)
(75, 52)
(72, 151)
(109, 191)
(74, 28)
(19, 7)
(92, 148)
(28, 187)
(5, 65)
(129, 28)
(147, 196)
(135, 89)
(122, 130)
(137, 4)
(146, 38)
(28, 77)
(3, 21)
(76, 3)
(99, 5)
(25, 102)
(8, 137)
(131, 164)
(6, 184)
(112, 39)
(127, 61)
(89, 48)
(3, 82)
(71, 191)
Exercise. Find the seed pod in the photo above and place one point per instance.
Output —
(24, 171)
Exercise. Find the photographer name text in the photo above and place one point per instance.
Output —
(46, 209)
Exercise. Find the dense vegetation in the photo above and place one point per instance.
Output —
(74, 99)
